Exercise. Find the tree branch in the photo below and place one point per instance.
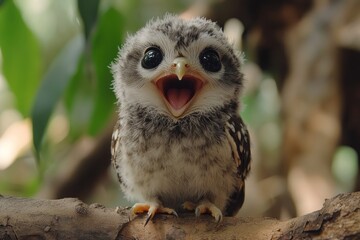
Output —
(70, 218)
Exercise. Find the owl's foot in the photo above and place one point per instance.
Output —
(151, 209)
(204, 207)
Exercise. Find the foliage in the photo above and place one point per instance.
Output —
(21, 56)
(52, 87)
(81, 64)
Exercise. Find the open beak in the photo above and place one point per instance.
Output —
(179, 89)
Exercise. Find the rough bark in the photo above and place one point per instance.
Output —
(70, 218)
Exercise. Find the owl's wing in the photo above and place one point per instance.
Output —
(239, 140)
(115, 142)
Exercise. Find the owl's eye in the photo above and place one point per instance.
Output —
(152, 58)
(210, 60)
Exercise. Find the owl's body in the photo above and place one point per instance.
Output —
(179, 138)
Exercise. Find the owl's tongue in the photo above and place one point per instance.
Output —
(178, 93)
(178, 97)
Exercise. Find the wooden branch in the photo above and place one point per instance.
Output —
(70, 218)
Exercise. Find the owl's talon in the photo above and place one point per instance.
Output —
(151, 210)
(175, 214)
(140, 208)
(149, 216)
(197, 212)
(208, 207)
(201, 209)
(218, 218)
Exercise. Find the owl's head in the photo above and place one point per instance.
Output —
(178, 67)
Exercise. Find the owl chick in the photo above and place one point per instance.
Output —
(179, 142)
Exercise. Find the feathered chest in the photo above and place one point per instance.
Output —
(175, 160)
(168, 144)
(178, 161)
(156, 139)
(147, 126)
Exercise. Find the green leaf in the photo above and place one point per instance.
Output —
(21, 56)
(52, 86)
(88, 10)
(106, 41)
(79, 99)
(74, 84)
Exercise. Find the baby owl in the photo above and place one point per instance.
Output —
(179, 143)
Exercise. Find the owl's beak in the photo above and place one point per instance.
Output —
(179, 66)
(180, 87)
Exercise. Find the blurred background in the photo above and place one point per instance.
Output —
(301, 99)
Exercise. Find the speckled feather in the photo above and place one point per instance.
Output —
(205, 154)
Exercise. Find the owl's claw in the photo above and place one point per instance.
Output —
(151, 210)
(204, 207)
(149, 216)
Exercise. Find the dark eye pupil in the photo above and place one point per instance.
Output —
(210, 60)
(152, 58)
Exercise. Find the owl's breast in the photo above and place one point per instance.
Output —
(175, 169)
